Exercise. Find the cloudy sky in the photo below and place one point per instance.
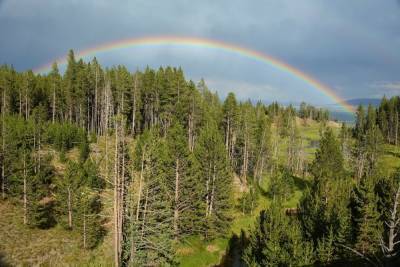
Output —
(351, 46)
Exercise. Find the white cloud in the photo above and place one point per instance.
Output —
(388, 88)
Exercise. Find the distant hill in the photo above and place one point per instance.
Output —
(364, 101)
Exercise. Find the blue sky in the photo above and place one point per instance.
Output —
(352, 46)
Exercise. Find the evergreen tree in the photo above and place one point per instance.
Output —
(216, 179)
(277, 241)
(366, 223)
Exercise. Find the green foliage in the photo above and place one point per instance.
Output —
(41, 204)
(366, 223)
(249, 200)
(281, 186)
(277, 241)
(84, 148)
(64, 136)
(328, 163)
(216, 180)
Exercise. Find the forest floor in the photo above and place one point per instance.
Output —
(24, 246)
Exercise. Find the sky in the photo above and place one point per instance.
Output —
(350, 46)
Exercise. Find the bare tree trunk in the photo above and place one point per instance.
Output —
(116, 204)
(227, 132)
(79, 120)
(94, 115)
(54, 103)
(232, 145)
(360, 165)
(69, 208)
(140, 186)
(25, 195)
(134, 106)
(207, 190)
(39, 148)
(190, 131)
(26, 104)
(396, 130)
(20, 102)
(70, 113)
(389, 248)
(34, 154)
(88, 120)
(245, 157)
(122, 184)
(145, 212)
(84, 230)
(176, 210)
(191, 127)
(119, 188)
(3, 146)
(212, 191)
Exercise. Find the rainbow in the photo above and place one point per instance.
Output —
(214, 44)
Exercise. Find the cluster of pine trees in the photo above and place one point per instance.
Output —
(349, 213)
(169, 152)
(313, 113)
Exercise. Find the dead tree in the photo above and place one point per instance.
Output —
(388, 246)
(119, 188)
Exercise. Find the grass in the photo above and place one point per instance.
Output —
(24, 246)
(390, 161)
(194, 251)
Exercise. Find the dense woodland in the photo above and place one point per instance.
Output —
(171, 153)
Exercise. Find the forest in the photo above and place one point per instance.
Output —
(132, 169)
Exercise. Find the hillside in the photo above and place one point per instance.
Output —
(57, 245)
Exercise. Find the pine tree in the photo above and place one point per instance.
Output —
(216, 179)
(55, 80)
(368, 227)
(276, 241)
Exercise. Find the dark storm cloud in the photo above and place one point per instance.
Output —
(346, 44)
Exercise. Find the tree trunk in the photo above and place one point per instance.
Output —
(145, 212)
(69, 208)
(207, 190)
(20, 102)
(212, 191)
(3, 146)
(134, 106)
(140, 186)
(122, 184)
(25, 195)
(190, 132)
(26, 104)
(94, 115)
(389, 249)
(396, 130)
(227, 132)
(176, 210)
(116, 204)
(54, 103)
(39, 148)
(84, 230)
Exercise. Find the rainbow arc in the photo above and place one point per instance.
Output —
(207, 43)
